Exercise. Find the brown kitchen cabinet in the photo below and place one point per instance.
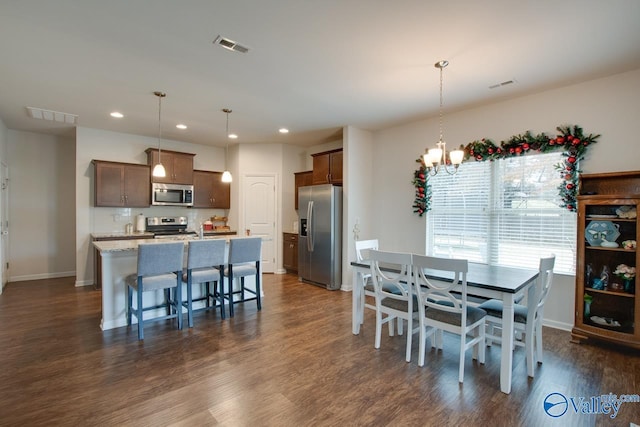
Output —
(121, 184)
(607, 310)
(179, 166)
(327, 167)
(290, 252)
(302, 179)
(210, 191)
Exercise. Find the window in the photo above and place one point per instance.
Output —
(504, 212)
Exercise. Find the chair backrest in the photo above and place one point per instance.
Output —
(391, 273)
(363, 247)
(438, 293)
(245, 249)
(206, 253)
(160, 258)
(543, 285)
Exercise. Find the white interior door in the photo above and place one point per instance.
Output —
(260, 215)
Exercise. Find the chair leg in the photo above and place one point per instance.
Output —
(258, 298)
(139, 311)
(409, 338)
(422, 346)
(129, 304)
(538, 341)
(463, 339)
(220, 295)
(242, 289)
(178, 301)
(378, 329)
(190, 302)
(230, 285)
(481, 345)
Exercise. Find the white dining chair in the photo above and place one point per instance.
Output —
(391, 276)
(526, 322)
(362, 252)
(441, 310)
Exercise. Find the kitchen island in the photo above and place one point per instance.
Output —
(119, 259)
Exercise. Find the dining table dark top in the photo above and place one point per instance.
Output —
(492, 277)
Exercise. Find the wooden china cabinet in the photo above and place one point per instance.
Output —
(607, 307)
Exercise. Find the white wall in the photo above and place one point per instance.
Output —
(359, 197)
(4, 202)
(607, 106)
(103, 145)
(41, 206)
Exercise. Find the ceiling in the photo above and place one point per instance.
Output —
(312, 66)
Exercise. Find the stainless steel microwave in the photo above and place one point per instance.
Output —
(171, 194)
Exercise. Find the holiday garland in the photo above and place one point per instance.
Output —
(570, 139)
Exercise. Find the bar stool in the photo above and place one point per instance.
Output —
(159, 268)
(205, 261)
(244, 260)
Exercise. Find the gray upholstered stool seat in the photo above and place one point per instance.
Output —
(159, 268)
(205, 261)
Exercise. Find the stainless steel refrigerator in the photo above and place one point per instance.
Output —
(320, 235)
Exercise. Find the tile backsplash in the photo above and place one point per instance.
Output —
(108, 220)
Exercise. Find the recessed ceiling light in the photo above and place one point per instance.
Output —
(181, 126)
(233, 136)
(117, 115)
(283, 130)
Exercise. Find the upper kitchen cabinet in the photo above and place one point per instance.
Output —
(302, 179)
(179, 166)
(327, 167)
(122, 184)
(210, 191)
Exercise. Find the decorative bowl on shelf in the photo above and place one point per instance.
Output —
(605, 321)
(598, 232)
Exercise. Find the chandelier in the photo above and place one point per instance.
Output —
(436, 158)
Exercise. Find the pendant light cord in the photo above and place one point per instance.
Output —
(441, 103)
(159, 126)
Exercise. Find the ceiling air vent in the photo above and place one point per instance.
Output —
(230, 44)
(506, 83)
(54, 116)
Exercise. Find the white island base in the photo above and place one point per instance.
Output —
(119, 259)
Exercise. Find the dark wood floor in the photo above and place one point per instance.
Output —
(295, 363)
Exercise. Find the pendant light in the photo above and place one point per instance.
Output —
(226, 175)
(158, 170)
(434, 158)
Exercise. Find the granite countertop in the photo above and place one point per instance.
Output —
(122, 235)
(109, 246)
(149, 234)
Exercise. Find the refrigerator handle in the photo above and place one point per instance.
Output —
(310, 226)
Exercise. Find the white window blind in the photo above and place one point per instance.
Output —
(504, 212)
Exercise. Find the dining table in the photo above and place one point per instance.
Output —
(484, 281)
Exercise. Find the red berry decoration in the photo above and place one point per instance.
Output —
(569, 186)
(571, 159)
(561, 140)
(518, 150)
(525, 146)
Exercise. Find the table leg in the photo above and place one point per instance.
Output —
(355, 297)
(506, 361)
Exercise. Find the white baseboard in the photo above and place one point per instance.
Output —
(41, 276)
(557, 325)
(80, 283)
